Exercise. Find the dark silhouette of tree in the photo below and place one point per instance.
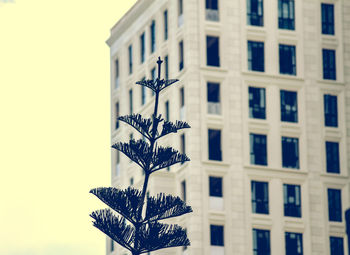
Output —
(137, 227)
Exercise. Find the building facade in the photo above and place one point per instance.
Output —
(265, 86)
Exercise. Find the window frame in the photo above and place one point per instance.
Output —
(217, 235)
(256, 56)
(266, 241)
(333, 157)
(329, 64)
(330, 103)
(257, 111)
(299, 241)
(287, 59)
(289, 115)
(288, 22)
(327, 23)
(255, 18)
(215, 186)
(213, 50)
(292, 208)
(287, 144)
(263, 156)
(334, 207)
(260, 197)
(214, 147)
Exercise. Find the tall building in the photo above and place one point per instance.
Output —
(265, 86)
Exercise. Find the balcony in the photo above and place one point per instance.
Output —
(216, 203)
(217, 250)
(214, 108)
(212, 15)
(117, 169)
(182, 113)
(180, 20)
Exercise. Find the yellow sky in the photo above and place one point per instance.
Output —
(54, 123)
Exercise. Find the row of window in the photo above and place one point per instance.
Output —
(291, 197)
(286, 15)
(261, 241)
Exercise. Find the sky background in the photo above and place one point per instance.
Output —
(54, 123)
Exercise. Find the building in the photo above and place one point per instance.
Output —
(265, 86)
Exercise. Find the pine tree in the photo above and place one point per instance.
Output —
(137, 225)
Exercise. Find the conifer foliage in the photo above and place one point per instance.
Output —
(135, 225)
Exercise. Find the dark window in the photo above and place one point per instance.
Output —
(330, 111)
(258, 149)
(260, 197)
(290, 152)
(181, 10)
(327, 19)
(154, 77)
(131, 181)
(116, 115)
(211, 10)
(256, 56)
(287, 59)
(130, 101)
(182, 97)
(142, 48)
(289, 106)
(166, 25)
(130, 59)
(216, 235)
(261, 242)
(153, 36)
(332, 157)
(213, 54)
(214, 144)
(166, 62)
(334, 205)
(286, 14)
(213, 92)
(294, 243)
(167, 110)
(257, 105)
(143, 93)
(116, 73)
(336, 245)
(292, 200)
(255, 13)
(181, 55)
(112, 245)
(183, 145)
(183, 190)
(215, 186)
(329, 65)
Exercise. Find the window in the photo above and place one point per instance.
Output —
(167, 110)
(166, 63)
(180, 5)
(213, 97)
(181, 55)
(116, 115)
(256, 56)
(211, 10)
(112, 245)
(261, 242)
(215, 186)
(258, 149)
(180, 13)
(117, 163)
(289, 106)
(143, 93)
(216, 235)
(153, 36)
(329, 65)
(165, 25)
(260, 197)
(332, 157)
(336, 245)
(213, 57)
(290, 152)
(183, 145)
(287, 59)
(327, 19)
(142, 47)
(334, 205)
(330, 111)
(154, 77)
(130, 101)
(257, 105)
(255, 13)
(286, 14)
(182, 97)
(183, 190)
(130, 59)
(131, 181)
(214, 144)
(116, 73)
(294, 243)
(292, 200)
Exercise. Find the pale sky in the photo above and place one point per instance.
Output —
(54, 123)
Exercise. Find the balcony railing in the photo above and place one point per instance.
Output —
(212, 15)
(214, 108)
(180, 20)
(182, 113)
